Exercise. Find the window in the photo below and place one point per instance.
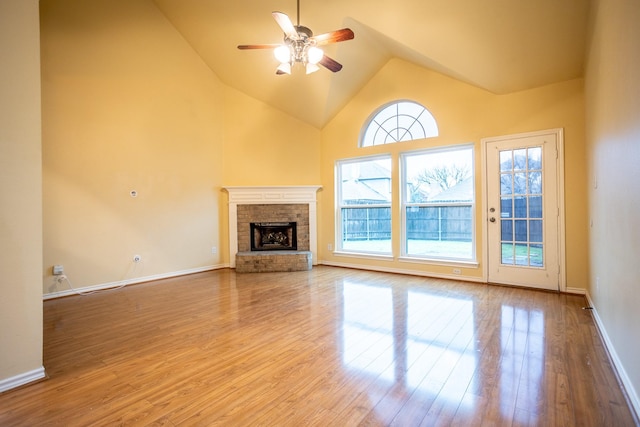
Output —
(400, 121)
(521, 213)
(438, 204)
(364, 205)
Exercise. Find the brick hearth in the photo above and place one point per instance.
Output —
(267, 261)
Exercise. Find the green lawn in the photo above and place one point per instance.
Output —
(523, 253)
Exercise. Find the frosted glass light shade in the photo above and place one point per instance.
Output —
(282, 54)
(314, 55)
(312, 68)
(285, 68)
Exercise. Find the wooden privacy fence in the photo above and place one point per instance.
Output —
(366, 223)
(450, 223)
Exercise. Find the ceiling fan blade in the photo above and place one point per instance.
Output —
(257, 46)
(287, 26)
(330, 64)
(334, 36)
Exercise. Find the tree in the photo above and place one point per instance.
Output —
(435, 180)
(444, 177)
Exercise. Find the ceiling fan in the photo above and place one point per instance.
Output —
(301, 46)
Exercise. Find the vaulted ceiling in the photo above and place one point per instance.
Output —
(502, 46)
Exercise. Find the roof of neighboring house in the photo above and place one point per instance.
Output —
(360, 190)
(461, 192)
(372, 170)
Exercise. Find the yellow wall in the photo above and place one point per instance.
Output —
(613, 134)
(20, 194)
(264, 146)
(128, 105)
(465, 114)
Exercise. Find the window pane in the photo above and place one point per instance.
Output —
(506, 184)
(508, 253)
(390, 129)
(520, 183)
(521, 230)
(365, 183)
(520, 159)
(535, 183)
(536, 256)
(400, 121)
(535, 230)
(522, 254)
(507, 229)
(366, 229)
(506, 207)
(506, 161)
(535, 158)
(405, 131)
(369, 137)
(520, 207)
(522, 238)
(535, 207)
(386, 114)
(439, 176)
(365, 205)
(439, 185)
(443, 231)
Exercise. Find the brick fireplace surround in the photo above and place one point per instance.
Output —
(272, 204)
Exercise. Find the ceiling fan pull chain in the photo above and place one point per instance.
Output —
(298, 8)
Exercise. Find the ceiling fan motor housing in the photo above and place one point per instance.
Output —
(304, 32)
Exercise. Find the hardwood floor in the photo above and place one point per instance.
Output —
(330, 347)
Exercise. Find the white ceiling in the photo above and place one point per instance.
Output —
(499, 45)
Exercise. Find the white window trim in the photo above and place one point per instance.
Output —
(338, 210)
(371, 121)
(445, 261)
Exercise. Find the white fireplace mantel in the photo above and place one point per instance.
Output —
(298, 194)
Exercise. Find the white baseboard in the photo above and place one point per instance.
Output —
(632, 394)
(577, 291)
(22, 379)
(403, 271)
(121, 283)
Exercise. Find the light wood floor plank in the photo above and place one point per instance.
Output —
(326, 347)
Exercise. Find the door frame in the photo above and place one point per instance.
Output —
(559, 135)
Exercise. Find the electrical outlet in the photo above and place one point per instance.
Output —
(330, 247)
(214, 250)
(58, 270)
(457, 271)
(137, 258)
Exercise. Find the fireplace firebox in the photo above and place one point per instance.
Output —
(273, 236)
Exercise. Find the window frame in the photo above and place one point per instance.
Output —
(339, 205)
(425, 119)
(405, 204)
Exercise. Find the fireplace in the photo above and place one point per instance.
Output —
(273, 236)
(272, 204)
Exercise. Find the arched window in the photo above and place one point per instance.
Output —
(399, 121)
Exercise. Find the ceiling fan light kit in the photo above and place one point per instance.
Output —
(301, 47)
